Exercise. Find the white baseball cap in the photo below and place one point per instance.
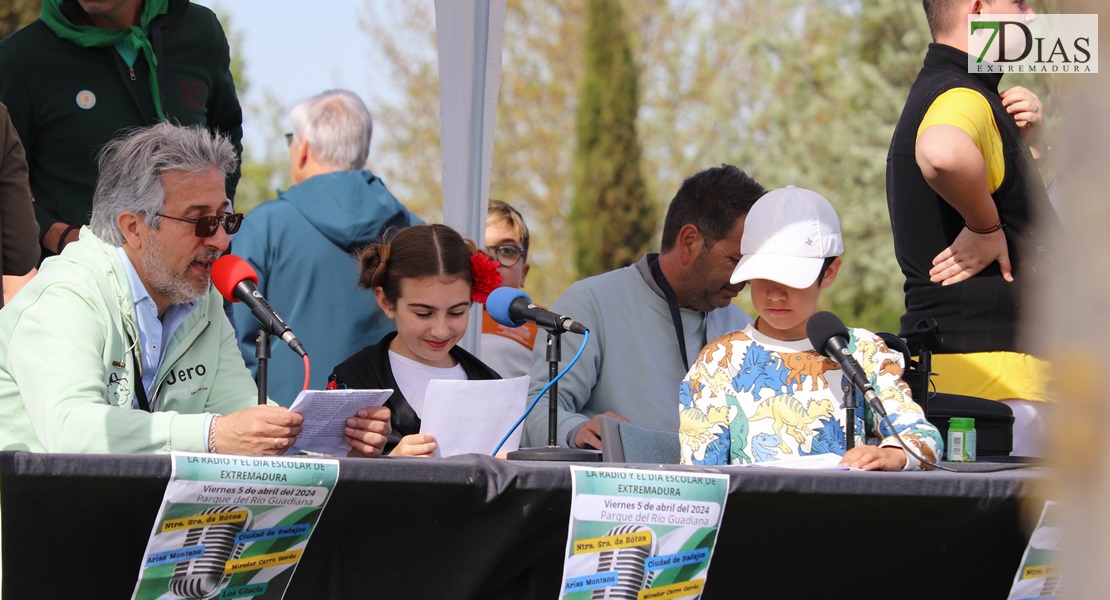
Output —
(788, 234)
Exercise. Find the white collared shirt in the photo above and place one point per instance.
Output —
(154, 333)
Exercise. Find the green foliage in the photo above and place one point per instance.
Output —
(267, 169)
(533, 149)
(611, 217)
(802, 92)
(406, 128)
(832, 81)
(235, 43)
(16, 14)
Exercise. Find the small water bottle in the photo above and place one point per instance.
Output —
(961, 439)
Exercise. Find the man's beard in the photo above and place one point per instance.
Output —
(177, 287)
(702, 293)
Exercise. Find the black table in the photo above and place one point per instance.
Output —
(477, 527)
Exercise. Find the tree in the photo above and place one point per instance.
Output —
(262, 172)
(689, 117)
(410, 163)
(611, 217)
(832, 81)
(694, 92)
(532, 154)
(16, 14)
(802, 92)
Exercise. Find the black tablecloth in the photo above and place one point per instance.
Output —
(477, 527)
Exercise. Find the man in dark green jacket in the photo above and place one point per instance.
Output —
(19, 249)
(85, 71)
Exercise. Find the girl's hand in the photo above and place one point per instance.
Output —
(417, 444)
(367, 432)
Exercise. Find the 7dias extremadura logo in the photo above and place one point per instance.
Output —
(1032, 44)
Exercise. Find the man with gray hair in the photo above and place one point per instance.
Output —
(303, 243)
(120, 344)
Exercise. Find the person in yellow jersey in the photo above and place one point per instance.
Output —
(969, 212)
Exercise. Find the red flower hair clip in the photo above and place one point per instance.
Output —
(486, 276)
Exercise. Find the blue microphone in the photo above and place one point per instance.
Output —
(512, 308)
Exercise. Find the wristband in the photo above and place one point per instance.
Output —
(996, 227)
(212, 434)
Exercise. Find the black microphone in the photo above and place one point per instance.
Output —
(829, 336)
(237, 281)
(512, 308)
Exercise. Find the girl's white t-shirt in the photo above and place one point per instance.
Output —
(413, 377)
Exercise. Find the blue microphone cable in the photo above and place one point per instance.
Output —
(585, 340)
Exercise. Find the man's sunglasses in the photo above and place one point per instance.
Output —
(207, 226)
(506, 255)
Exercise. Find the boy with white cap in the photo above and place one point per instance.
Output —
(763, 393)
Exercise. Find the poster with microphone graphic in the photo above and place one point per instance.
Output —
(1039, 574)
(641, 534)
(233, 526)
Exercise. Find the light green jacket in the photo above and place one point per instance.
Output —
(68, 373)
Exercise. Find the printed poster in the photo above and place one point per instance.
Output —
(233, 526)
(1038, 576)
(643, 535)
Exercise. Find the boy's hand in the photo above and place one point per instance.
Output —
(874, 458)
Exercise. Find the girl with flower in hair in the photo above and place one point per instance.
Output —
(424, 279)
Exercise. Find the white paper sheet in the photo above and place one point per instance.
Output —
(325, 415)
(816, 461)
(472, 416)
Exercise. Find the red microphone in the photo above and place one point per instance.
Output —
(237, 281)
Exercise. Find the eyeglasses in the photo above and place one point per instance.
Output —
(207, 226)
(506, 255)
(289, 139)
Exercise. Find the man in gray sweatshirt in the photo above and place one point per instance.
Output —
(648, 321)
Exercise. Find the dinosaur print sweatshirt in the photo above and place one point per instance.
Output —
(750, 398)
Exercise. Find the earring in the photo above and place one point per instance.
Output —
(389, 314)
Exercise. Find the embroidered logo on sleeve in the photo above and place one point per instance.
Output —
(118, 390)
(194, 92)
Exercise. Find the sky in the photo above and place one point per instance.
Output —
(294, 53)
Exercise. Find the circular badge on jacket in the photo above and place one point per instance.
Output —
(86, 99)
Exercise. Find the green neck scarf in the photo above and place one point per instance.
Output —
(90, 36)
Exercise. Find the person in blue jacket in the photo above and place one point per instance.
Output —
(304, 244)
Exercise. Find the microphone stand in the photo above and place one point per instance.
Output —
(850, 418)
(552, 452)
(262, 353)
(925, 363)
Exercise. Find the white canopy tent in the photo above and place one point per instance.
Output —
(470, 34)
